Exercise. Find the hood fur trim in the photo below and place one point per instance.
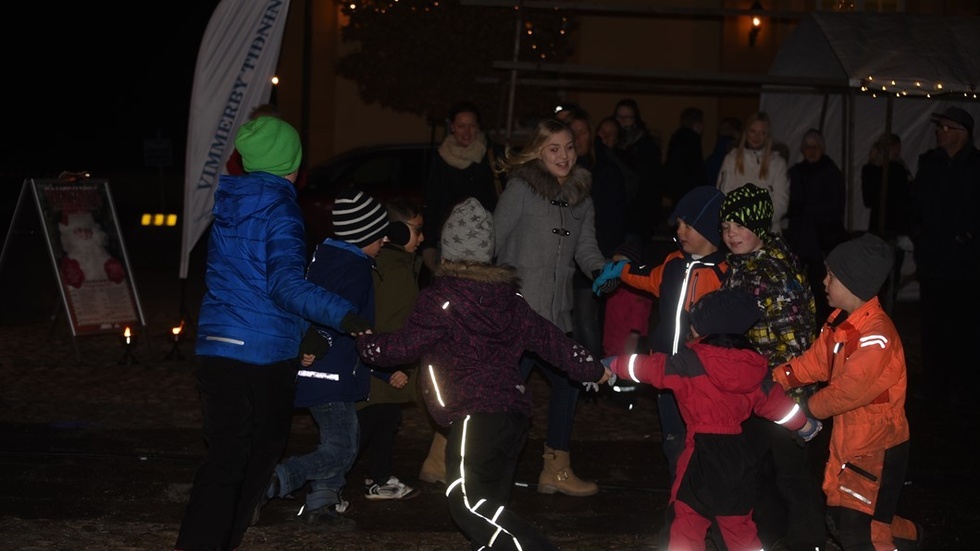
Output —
(577, 187)
(479, 271)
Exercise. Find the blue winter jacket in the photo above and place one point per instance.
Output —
(339, 375)
(257, 296)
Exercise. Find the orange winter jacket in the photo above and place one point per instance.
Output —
(861, 358)
(678, 282)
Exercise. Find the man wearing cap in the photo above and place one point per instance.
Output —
(859, 355)
(252, 318)
(331, 385)
(945, 232)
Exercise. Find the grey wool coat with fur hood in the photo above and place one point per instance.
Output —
(544, 229)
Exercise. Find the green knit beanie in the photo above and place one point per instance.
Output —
(750, 206)
(269, 144)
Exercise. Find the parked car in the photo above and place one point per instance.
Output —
(383, 171)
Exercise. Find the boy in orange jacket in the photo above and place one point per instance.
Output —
(859, 355)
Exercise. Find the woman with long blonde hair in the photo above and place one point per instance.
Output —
(544, 225)
(755, 161)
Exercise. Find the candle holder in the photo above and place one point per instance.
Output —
(128, 344)
(177, 335)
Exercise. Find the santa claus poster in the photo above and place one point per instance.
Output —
(88, 254)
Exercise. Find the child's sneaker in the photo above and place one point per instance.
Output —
(393, 489)
(342, 506)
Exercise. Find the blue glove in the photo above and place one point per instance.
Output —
(608, 277)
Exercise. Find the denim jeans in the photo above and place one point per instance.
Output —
(561, 405)
(326, 467)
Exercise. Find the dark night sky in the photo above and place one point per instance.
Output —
(89, 81)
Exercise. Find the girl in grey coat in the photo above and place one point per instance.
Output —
(544, 225)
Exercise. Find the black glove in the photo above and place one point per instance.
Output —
(354, 324)
(316, 342)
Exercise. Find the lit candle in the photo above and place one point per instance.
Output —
(177, 330)
(127, 336)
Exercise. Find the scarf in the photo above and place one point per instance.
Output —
(460, 157)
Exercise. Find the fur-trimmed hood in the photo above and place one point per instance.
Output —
(479, 271)
(577, 187)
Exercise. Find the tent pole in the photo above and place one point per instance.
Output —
(848, 153)
(886, 155)
(513, 72)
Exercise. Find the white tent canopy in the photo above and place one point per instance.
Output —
(896, 70)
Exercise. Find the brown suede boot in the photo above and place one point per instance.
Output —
(434, 467)
(557, 476)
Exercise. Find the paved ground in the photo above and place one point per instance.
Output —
(98, 455)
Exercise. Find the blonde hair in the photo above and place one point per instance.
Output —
(543, 131)
(762, 117)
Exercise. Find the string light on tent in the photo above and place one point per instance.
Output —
(911, 88)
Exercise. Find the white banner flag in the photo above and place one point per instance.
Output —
(235, 65)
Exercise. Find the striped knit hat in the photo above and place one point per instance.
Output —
(750, 206)
(358, 218)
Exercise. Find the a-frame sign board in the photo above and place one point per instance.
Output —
(74, 224)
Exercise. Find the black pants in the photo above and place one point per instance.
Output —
(481, 458)
(379, 426)
(882, 527)
(790, 504)
(248, 411)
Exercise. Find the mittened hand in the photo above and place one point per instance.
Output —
(609, 273)
(607, 288)
(607, 362)
(809, 431)
(354, 324)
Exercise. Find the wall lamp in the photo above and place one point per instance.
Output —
(756, 24)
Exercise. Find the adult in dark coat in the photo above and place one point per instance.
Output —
(462, 168)
(817, 195)
(684, 167)
(609, 199)
(643, 153)
(945, 231)
(887, 151)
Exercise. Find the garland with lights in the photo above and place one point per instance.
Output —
(422, 56)
(899, 88)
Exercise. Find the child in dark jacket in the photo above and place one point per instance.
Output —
(696, 268)
(719, 380)
(332, 384)
(470, 327)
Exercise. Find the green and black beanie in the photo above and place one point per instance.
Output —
(750, 206)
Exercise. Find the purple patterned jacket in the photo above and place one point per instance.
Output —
(470, 328)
